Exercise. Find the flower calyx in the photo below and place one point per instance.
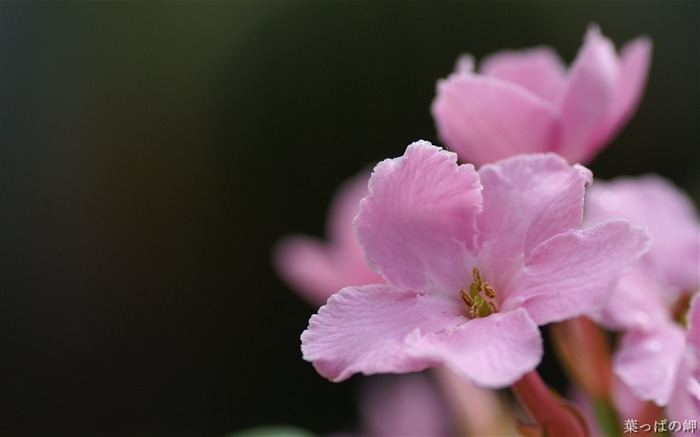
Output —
(480, 297)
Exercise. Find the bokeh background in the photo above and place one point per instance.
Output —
(153, 152)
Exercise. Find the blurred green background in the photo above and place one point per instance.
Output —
(153, 152)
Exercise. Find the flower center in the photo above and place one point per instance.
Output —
(480, 298)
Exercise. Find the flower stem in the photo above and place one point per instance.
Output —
(584, 352)
(606, 416)
(555, 417)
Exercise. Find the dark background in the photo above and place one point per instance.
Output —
(152, 153)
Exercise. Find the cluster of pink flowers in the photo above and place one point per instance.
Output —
(432, 262)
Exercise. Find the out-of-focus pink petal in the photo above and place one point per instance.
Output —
(493, 352)
(575, 272)
(343, 210)
(635, 304)
(628, 404)
(477, 411)
(634, 63)
(403, 406)
(539, 70)
(693, 345)
(685, 402)
(684, 405)
(651, 201)
(485, 119)
(465, 64)
(364, 329)
(587, 96)
(317, 269)
(420, 218)
(648, 361)
(527, 199)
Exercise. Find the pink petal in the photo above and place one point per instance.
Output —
(317, 269)
(343, 210)
(493, 352)
(674, 257)
(419, 219)
(364, 329)
(587, 96)
(527, 199)
(693, 343)
(484, 119)
(685, 401)
(538, 70)
(626, 402)
(477, 411)
(402, 406)
(648, 361)
(638, 294)
(575, 272)
(635, 60)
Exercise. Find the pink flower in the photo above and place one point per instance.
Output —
(317, 269)
(473, 261)
(526, 101)
(652, 348)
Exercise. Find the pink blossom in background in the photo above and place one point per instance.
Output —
(652, 348)
(527, 101)
(404, 406)
(649, 361)
(685, 402)
(684, 405)
(316, 268)
(673, 260)
(473, 261)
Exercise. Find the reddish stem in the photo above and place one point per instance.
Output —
(550, 413)
(584, 350)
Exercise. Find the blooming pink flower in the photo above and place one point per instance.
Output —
(317, 269)
(652, 348)
(526, 101)
(473, 261)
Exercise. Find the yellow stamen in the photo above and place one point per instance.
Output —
(488, 290)
(466, 298)
(477, 277)
(479, 296)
